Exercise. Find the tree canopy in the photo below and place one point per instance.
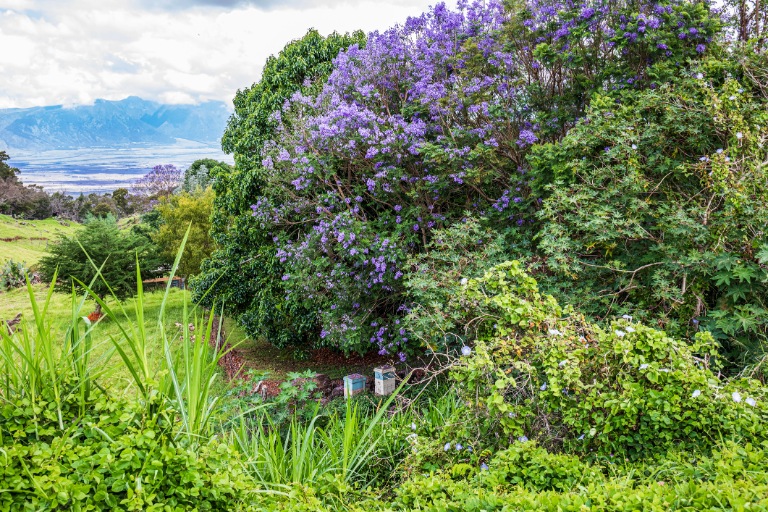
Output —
(199, 175)
(6, 171)
(243, 272)
(182, 212)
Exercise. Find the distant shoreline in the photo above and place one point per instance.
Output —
(101, 170)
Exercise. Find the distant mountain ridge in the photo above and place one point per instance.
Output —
(111, 124)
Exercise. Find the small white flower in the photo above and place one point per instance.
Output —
(413, 426)
(719, 151)
(512, 415)
(581, 437)
(555, 332)
(469, 449)
(562, 363)
(411, 438)
(699, 76)
(736, 396)
(620, 334)
(447, 447)
(696, 393)
(751, 401)
(522, 439)
(463, 281)
(732, 98)
(459, 447)
(634, 146)
(739, 135)
(630, 329)
(627, 317)
(727, 159)
(665, 370)
(466, 351)
(644, 366)
(543, 387)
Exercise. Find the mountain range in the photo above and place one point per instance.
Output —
(111, 124)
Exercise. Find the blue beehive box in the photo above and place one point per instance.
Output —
(384, 383)
(354, 384)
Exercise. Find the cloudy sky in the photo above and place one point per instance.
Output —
(175, 51)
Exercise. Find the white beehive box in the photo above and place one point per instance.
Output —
(384, 380)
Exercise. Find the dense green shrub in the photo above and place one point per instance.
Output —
(542, 372)
(655, 205)
(434, 280)
(100, 248)
(732, 479)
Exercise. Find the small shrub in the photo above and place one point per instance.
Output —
(533, 468)
(12, 275)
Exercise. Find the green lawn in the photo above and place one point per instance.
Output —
(27, 240)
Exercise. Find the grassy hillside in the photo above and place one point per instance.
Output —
(59, 316)
(27, 240)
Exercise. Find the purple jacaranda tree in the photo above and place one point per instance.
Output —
(431, 122)
(158, 183)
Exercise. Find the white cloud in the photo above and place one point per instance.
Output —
(74, 51)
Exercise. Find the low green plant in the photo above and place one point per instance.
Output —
(115, 456)
(12, 275)
(69, 442)
(530, 478)
(308, 454)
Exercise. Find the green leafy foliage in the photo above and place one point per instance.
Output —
(542, 372)
(178, 214)
(12, 275)
(113, 457)
(199, 175)
(731, 477)
(435, 278)
(653, 206)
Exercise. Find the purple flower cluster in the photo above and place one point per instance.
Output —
(605, 29)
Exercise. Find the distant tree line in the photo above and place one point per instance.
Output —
(16, 199)
(33, 202)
